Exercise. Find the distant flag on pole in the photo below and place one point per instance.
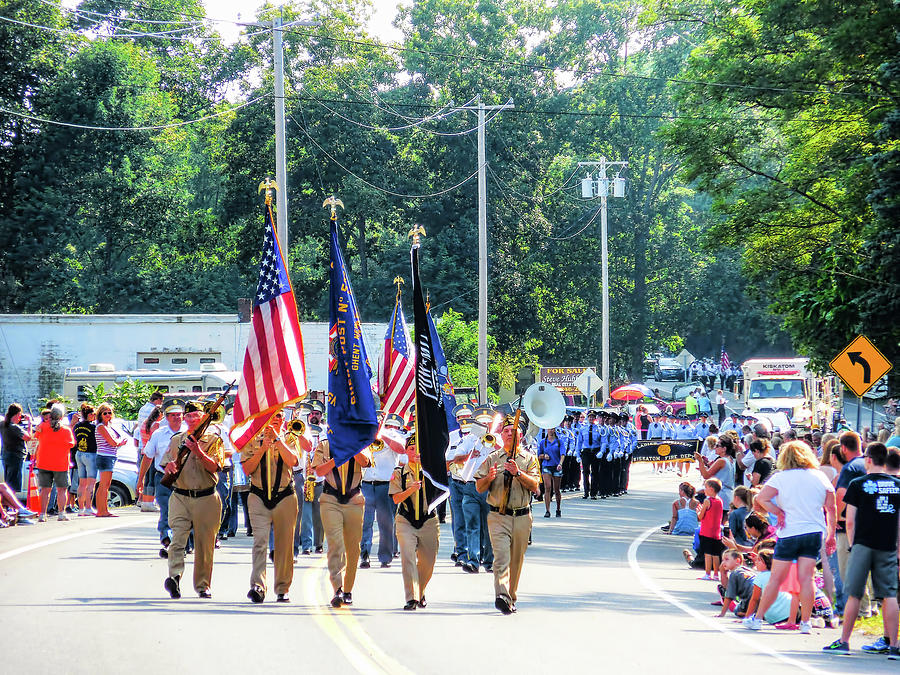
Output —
(274, 372)
(398, 373)
(352, 420)
(724, 359)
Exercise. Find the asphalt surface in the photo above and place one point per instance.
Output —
(601, 585)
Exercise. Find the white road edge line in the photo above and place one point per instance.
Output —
(57, 540)
(741, 637)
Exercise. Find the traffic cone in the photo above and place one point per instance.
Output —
(33, 501)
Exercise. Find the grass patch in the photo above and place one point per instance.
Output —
(870, 626)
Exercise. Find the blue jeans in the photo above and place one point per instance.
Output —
(478, 542)
(380, 507)
(460, 545)
(162, 499)
(839, 599)
(12, 470)
(311, 530)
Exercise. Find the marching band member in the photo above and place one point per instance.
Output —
(194, 502)
(418, 537)
(463, 413)
(379, 508)
(509, 532)
(312, 533)
(342, 505)
(268, 460)
(474, 451)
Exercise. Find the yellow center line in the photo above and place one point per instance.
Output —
(345, 631)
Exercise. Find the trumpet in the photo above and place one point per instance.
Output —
(489, 439)
(296, 428)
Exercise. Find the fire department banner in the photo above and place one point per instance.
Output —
(658, 450)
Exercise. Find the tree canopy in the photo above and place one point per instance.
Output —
(761, 140)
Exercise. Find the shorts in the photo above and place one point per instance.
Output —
(710, 546)
(105, 463)
(881, 564)
(48, 479)
(808, 545)
(552, 472)
(86, 462)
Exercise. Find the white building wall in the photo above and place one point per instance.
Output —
(36, 349)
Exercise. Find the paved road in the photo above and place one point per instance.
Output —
(600, 586)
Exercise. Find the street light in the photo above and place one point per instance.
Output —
(590, 189)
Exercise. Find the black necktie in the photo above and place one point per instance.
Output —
(591, 437)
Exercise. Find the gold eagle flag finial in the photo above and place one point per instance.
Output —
(268, 185)
(399, 281)
(417, 232)
(333, 202)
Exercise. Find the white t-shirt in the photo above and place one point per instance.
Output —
(801, 495)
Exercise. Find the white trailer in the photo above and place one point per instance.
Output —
(210, 377)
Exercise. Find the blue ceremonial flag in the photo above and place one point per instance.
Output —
(352, 420)
(443, 375)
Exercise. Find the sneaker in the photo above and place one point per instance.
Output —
(880, 646)
(838, 647)
(787, 625)
(752, 623)
(148, 507)
(894, 654)
(62, 516)
(688, 557)
(805, 627)
(42, 518)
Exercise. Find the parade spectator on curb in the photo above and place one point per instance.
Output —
(147, 474)
(52, 462)
(801, 492)
(778, 607)
(710, 516)
(763, 462)
(684, 512)
(12, 440)
(854, 466)
(873, 503)
(85, 434)
(739, 587)
(108, 443)
(825, 460)
(722, 468)
(740, 503)
(757, 530)
(9, 502)
(894, 440)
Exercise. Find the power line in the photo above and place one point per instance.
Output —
(372, 185)
(84, 13)
(156, 127)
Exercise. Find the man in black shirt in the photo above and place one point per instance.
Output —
(873, 504)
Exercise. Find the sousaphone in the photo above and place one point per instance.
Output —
(544, 405)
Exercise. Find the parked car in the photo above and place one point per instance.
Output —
(668, 369)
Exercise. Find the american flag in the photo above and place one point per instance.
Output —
(724, 359)
(398, 376)
(274, 372)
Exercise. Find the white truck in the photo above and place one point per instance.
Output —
(787, 386)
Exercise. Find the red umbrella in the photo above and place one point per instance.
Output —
(631, 392)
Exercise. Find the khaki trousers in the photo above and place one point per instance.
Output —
(203, 514)
(282, 519)
(343, 532)
(418, 551)
(509, 539)
(843, 556)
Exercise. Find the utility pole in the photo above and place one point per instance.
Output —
(600, 188)
(281, 207)
(482, 246)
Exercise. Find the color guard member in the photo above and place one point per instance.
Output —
(418, 537)
(509, 532)
(194, 503)
(268, 460)
(342, 505)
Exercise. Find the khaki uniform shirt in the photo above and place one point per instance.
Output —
(519, 497)
(400, 480)
(256, 478)
(350, 471)
(194, 476)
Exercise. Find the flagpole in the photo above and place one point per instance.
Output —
(416, 233)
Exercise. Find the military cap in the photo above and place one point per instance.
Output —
(483, 414)
(304, 407)
(463, 410)
(174, 406)
(511, 419)
(193, 406)
(394, 420)
(318, 405)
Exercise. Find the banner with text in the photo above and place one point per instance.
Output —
(563, 378)
(658, 450)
